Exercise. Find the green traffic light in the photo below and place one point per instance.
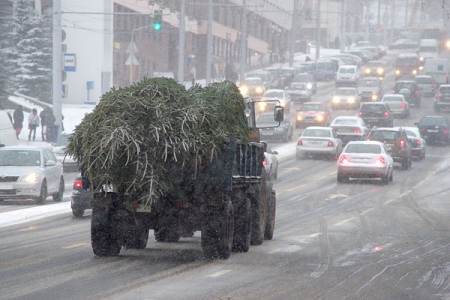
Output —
(157, 26)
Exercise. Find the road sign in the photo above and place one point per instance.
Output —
(132, 60)
(70, 62)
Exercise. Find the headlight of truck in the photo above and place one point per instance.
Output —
(319, 118)
(31, 178)
(374, 97)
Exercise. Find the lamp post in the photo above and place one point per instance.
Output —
(133, 60)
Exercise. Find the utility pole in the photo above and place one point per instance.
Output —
(406, 13)
(209, 42)
(391, 32)
(57, 65)
(243, 50)
(367, 4)
(293, 33)
(386, 21)
(343, 24)
(181, 43)
(317, 32)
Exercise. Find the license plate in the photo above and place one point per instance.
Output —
(309, 121)
(6, 186)
(433, 130)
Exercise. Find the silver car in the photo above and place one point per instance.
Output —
(426, 84)
(365, 160)
(317, 140)
(30, 172)
(398, 104)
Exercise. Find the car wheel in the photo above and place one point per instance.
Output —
(405, 164)
(391, 177)
(43, 193)
(59, 195)
(409, 162)
(385, 179)
(77, 213)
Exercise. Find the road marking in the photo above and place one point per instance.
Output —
(28, 228)
(220, 273)
(76, 246)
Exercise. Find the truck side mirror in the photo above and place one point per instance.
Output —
(278, 113)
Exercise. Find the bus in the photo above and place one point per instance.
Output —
(407, 65)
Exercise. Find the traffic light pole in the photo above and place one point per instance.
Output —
(181, 45)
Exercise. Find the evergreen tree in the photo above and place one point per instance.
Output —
(6, 47)
(33, 59)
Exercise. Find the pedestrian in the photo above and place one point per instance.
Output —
(50, 125)
(33, 123)
(43, 115)
(18, 120)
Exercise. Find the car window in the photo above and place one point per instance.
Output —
(444, 89)
(363, 148)
(316, 132)
(384, 135)
(368, 82)
(346, 92)
(312, 107)
(347, 70)
(274, 94)
(302, 78)
(266, 119)
(424, 80)
(432, 121)
(373, 108)
(392, 99)
(348, 121)
(410, 132)
(22, 158)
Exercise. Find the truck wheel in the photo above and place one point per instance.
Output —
(104, 236)
(270, 221)
(217, 232)
(77, 213)
(59, 195)
(165, 234)
(242, 226)
(136, 238)
(259, 203)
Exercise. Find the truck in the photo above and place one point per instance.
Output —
(221, 190)
(438, 68)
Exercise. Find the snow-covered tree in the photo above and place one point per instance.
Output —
(6, 47)
(33, 56)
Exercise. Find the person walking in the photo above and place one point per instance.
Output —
(33, 123)
(18, 120)
(50, 125)
(43, 114)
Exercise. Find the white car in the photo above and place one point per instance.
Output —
(30, 172)
(365, 160)
(274, 97)
(270, 163)
(350, 128)
(317, 140)
(347, 75)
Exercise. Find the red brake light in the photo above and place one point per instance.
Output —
(343, 159)
(300, 143)
(386, 114)
(417, 142)
(380, 161)
(330, 144)
(403, 105)
(445, 131)
(264, 162)
(394, 92)
(417, 92)
(437, 96)
(360, 114)
(402, 143)
(78, 184)
(357, 130)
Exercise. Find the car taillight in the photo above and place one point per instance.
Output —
(437, 96)
(360, 114)
(445, 131)
(78, 184)
(402, 143)
(394, 92)
(418, 143)
(343, 159)
(330, 144)
(417, 92)
(380, 161)
(403, 105)
(356, 130)
(264, 162)
(300, 143)
(433, 86)
(386, 114)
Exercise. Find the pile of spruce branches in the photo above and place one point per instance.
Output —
(138, 135)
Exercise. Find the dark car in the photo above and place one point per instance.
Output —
(269, 129)
(434, 129)
(375, 68)
(376, 114)
(442, 97)
(304, 81)
(396, 143)
(82, 196)
(370, 89)
(414, 96)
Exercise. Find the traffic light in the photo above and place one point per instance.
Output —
(157, 20)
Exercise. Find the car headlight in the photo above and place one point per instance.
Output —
(309, 85)
(319, 118)
(282, 103)
(421, 68)
(380, 71)
(300, 118)
(421, 58)
(262, 105)
(351, 99)
(414, 72)
(374, 97)
(397, 72)
(259, 90)
(447, 44)
(31, 178)
(367, 71)
(336, 99)
(243, 90)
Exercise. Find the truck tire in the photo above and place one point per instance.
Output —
(259, 203)
(136, 237)
(166, 234)
(217, 232)
(104, 236)
(242, 225)
(270, 221)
